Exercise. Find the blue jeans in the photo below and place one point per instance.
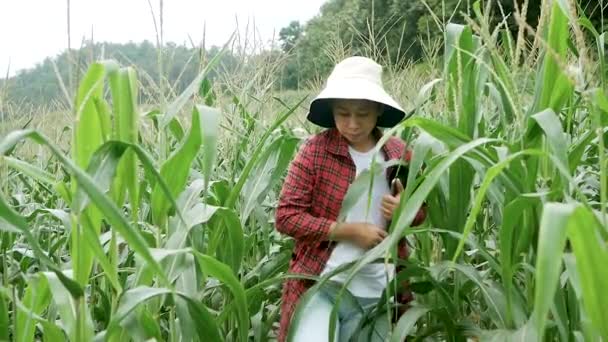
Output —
(314, 325)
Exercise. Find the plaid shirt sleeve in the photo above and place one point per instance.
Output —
(293, 212)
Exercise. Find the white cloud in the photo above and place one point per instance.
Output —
(31, 30)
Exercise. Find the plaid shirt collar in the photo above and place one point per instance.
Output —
(338, 145)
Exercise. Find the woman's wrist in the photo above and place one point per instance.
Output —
(340, 231)
(332, 231)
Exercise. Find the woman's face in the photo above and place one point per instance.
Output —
(356, 119)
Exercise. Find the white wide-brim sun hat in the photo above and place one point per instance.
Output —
(356, 78)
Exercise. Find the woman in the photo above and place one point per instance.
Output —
(352, 107)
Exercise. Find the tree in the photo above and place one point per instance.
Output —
(290, 35)
(390, 30)
(39, 86)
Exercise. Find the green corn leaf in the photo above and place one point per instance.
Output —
(19, 222)
(586, 23)
(470, 242)
(35, 300)
(223, 273)
(105, 119)
(129, 300)
(90, 221)
(149, 325)
(479, 198)
(523, 334)
(123, 84)
(426, 93)
(551, 243)
(64, 302)
(589, 332)
(67, 306)
(30, 170)
(590, 251)
(237, 189)
(210, 129)
(176, 169)
(187, 327)
(90, 131)
(446, 134)
(230, 245)
(102, 168)
(207, 93)
(103, 202)
(406, 323)
(512, 216)
(87, 133)
(422, 147)
(176, 129)
(551, 126)
(491, 296)
(194, 213)
(552, 86)
(270, 168)
(51, 332)
(601, 101)
(559, 314)
(205, 323)
(462, 76)
(4, 320)
(577, 149)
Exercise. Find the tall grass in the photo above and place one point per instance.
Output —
(154, 222)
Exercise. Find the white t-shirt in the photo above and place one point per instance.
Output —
(371, 280)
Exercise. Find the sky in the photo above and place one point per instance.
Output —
(31, 30)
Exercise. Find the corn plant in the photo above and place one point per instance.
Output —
(117, 244)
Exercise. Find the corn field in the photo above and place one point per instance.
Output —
(156, 224)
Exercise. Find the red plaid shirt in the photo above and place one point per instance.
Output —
(310, 202)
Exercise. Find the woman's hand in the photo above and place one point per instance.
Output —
(364, 235)
(391, 202)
